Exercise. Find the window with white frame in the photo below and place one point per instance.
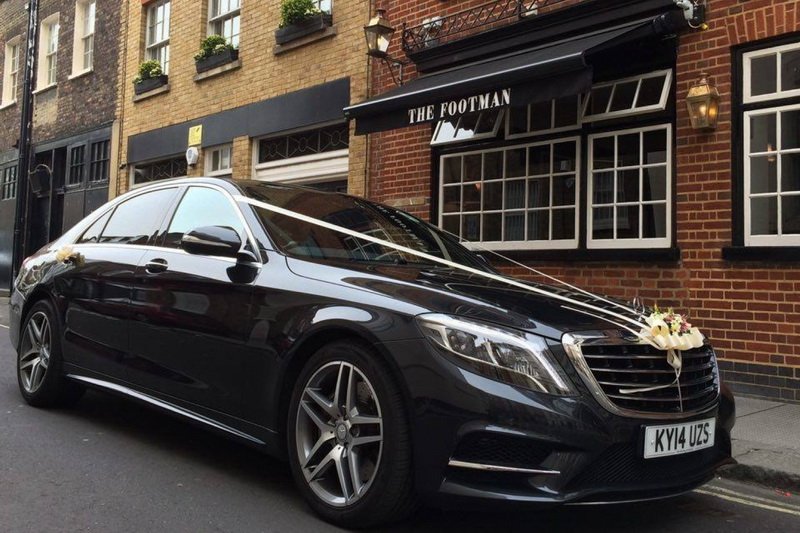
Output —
(551, 116)
(11, 71)
(83, 40)
(523, 196)
(771, 146)
(224, 18)
(157, 33)
(48, 52)
(629, 183)
(219, 160)
(629, 96)
(468, 127)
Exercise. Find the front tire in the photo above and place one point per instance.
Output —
(348, 438)
(39, 363)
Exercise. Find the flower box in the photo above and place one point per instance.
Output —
(229, 55)
(312, 24)
(150, 83)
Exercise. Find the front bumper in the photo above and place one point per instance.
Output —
(570, 449)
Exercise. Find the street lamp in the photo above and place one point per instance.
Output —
(702, 100)
(378, 33)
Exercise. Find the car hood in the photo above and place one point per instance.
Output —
(453, 292)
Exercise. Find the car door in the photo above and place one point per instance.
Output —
(190, 328)
(97, 285)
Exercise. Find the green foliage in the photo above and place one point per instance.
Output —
(294, 11)
(148, 69)
(211, 46)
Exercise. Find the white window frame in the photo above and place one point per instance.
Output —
(560, 244)
(47, 73)
(209, 160)
(11, 71)
(791, 239)
(633, 110)
(221, 17)
(747, 59)
(132, 172)
(640, 242)
(83, 37)
(550, 131)
(474, 137)
(153, 48)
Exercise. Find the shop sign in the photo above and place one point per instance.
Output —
(461, 106)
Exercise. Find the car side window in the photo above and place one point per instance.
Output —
(135, 220)
(201, 207)
(92, 234)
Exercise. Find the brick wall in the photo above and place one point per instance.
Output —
(262, 75)
(13, 23)
(751, 310)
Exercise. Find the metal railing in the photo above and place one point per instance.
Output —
(439, 30)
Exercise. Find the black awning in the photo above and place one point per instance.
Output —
(532, 75)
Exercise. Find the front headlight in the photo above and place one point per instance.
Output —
(501, 354)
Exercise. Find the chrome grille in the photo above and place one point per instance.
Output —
(609, 363)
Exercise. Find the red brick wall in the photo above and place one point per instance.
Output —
(751, 310)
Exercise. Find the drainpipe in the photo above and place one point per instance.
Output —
(25, 139)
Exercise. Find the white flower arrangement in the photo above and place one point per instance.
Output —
(671, 331)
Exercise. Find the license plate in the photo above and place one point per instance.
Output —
(674, 439)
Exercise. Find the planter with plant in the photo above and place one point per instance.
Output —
(300, 18)
(214, 51)
(151, 76)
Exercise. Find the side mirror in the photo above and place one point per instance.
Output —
(219, 241)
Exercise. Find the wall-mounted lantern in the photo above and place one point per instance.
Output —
(378, 33)
(702, 101)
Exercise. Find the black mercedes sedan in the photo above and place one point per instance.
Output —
(385, 378)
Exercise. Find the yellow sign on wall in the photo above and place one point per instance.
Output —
(196, 135)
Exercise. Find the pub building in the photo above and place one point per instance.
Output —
(644, 148)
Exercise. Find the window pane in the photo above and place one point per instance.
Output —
(763, 133)
(603, 188)
(564, 190)
(487, 120)
(135, 220)
(451, 172)
(628, 222)
(564, 155)
(539, 192)
(763, 174)
(518, 120)
(445, 132)
(650, 91)
(655, 184)
(493, 227)
(790, 215)
(539, 225)
(471, 229)
(515, 226)
(790, 172)
(539, 160)
(628, 150)
(603, 223)
(451, 224)
(628, 185)
(541, 116)
(471, 197)
(563, 224)
(493, 196)
(655, 147)
(764, 216)
(451, 202)
(515, 163)
(623, 95)
(790, 130)
(466, 126)
(598, 102)
(654, 221)
(763, 75)
(472, 167)
(492, 165)
(202, 207)
(790, 70)
(603, 153)
(566, 113)
(515, 194)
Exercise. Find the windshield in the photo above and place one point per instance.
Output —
(301, 239)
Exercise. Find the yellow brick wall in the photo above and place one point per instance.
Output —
(262, 74)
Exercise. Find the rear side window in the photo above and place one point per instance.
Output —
(201, 207)
(93, 233)
(134, 221)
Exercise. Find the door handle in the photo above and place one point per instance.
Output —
(154, 266)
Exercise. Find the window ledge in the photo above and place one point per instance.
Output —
(222, 69)
(149, 94)
(327, 33)
(12, 103)
(82, 73)
(45, 89)
(637, 255)
(761, 253)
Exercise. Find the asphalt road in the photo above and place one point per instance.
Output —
(110, 465)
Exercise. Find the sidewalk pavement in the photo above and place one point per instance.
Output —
(766, 439)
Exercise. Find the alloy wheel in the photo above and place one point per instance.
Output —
(339, 433)
(35, 352)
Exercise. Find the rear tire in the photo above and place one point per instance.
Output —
(348, 438)
(39, 361)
